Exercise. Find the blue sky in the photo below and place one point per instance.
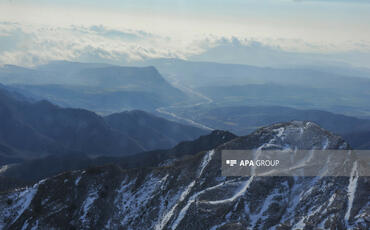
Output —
(35, 31)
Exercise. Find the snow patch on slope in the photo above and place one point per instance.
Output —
(169, 214)
(91, 197)
(205, 161)
(241, 192)
(21, 200)
(351, 190)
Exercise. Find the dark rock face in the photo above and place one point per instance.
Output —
(191, 193)
(31, 171)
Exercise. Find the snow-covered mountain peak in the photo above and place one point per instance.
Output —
(192, 194)
(303, 135)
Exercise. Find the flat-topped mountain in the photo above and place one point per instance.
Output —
(98, 87)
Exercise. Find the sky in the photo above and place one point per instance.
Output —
(36, 31)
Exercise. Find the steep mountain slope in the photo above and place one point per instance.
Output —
(159, 133)
(191, 194)
(16, 136)
(41, 128)
(119, 76)
(31, 171)
(182, 150)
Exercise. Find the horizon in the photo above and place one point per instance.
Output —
(251, 32)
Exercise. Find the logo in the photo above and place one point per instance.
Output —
(231, 162)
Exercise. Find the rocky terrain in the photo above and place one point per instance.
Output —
(31, 171)
(190, 193)
(243, 120)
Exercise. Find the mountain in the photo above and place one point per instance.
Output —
(190, 193)
(343, 101)
(16, 136)
(242, 120)
(103, 101)
(15, 74)
(34, 129)
(99, 87)
(41, 128)
(154, 132)
(305, 88)
(30, 171)
(205, 74)
(68, 68)
(359, 139)
(183, 150)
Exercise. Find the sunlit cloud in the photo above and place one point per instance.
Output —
(96, 43)
(117, 32)
(30, 45)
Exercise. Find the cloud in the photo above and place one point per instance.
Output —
(276, 54)
(114, 33)
(30, 45)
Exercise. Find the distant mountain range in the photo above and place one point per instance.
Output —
(206, 74)
(107, 88)
(34, 129)
(190, 193)
(284, 94)
(342, 101)
(305, 88)
(243, 120)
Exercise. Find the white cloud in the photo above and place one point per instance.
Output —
(281, 53)
(39, 44)
(30, 45)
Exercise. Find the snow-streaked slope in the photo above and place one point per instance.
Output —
(191, 193)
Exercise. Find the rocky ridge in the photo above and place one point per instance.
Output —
(191, 193)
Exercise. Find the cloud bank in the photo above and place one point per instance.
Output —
(30, 45)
